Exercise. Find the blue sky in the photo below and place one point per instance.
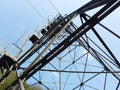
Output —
(17, 16)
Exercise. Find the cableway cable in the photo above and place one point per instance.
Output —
(35, 10)
(54, 6)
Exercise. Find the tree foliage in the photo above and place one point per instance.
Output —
(11, 78)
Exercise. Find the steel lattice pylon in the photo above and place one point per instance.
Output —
(70, 56)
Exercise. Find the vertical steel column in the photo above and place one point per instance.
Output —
(20, 81)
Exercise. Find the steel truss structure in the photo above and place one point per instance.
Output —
(69, 56)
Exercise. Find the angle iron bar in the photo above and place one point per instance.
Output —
(42, 41)
(84, 8)
(54, 38)
(74, 61)
(107, 48)
(103, 52)
(66, 71)
(90, 5)
(68, 22)
(20, 82)
(95, 21)
(105, 81)
(63, 45)
(98, 58)
(110, 31)
(48, 33)
(116, 61)
(82, 83)
(40, 83)
(117, 88)
(110, 52)
(106, 28)
(49, 36)
(92, 51)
